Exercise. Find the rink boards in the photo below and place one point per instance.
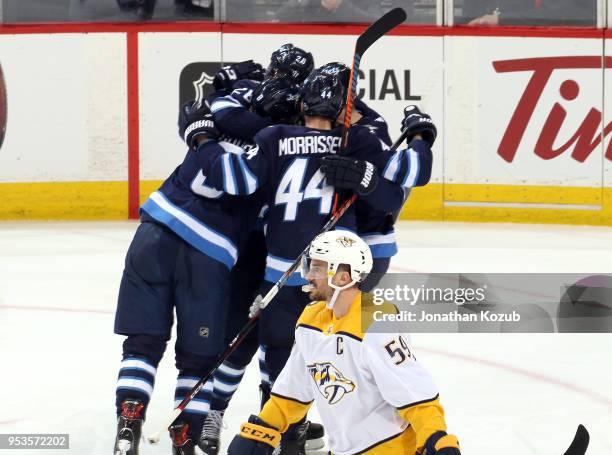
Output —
(522, 114)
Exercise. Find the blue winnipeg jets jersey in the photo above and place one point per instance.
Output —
(373, 120)
(375, 226)
(208, 219)
(231, 115)
(286, 161)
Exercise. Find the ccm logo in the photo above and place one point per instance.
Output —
(258, 434)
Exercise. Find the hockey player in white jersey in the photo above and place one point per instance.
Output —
(372, 394)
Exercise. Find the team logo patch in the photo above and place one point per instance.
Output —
(330, 381)
(346, 241)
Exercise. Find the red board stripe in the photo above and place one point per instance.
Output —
(133, 126)
(526, 32)
(300, 29)
(325, 29)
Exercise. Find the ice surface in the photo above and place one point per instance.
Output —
(503, 393)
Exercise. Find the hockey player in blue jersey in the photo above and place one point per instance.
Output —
(180, 259)
(273, 101)
(286, 160)
(374, 225)
(233, 109)
(241, 110)
(235, 116)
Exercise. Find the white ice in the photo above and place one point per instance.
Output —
(503, 393)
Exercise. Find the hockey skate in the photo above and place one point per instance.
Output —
(129, 428)
(210, 441)
(314, 437)
(294, 441)
(181, 444)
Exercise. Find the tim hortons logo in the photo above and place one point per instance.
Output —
(588, 135)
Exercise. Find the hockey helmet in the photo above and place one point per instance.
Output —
(338, 69)
(323, 95)
(292, 62)
(340, 247)
(277, 98)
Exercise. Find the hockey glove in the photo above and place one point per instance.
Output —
(347, 173)
(416, 122)
(194, 122)
(226, 76)
(441, 443)
(256, 438)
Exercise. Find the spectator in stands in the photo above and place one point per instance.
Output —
(529, 12)
(340, 10)
(129, 10)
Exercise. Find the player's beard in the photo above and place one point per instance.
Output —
(316, 294)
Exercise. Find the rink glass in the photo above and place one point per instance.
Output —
(582, 13)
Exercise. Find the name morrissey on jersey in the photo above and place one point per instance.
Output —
(308, 145)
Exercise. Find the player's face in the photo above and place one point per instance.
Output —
(317, 279)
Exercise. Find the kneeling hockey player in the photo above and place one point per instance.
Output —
(372, 394)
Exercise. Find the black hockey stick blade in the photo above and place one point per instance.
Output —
(580, 443)
(379, 28)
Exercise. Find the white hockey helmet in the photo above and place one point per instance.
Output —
(341, 247)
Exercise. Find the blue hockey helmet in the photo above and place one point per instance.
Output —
(277, 98)
(292, 62)
(338, 69)
(323, 95)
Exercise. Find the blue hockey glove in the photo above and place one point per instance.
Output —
(416, 122)
(226, 76)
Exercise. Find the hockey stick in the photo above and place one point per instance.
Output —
(580, 443)
(375, 31)
(155, 437)
(372, 34)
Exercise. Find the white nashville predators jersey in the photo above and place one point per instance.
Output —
(360, 382)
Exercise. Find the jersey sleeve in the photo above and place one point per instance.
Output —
(291, 395)
(374, 120)
(404, 383)
(409, 167)
(386, 197)
(232, 116)
(365, 144)
(235, 174)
